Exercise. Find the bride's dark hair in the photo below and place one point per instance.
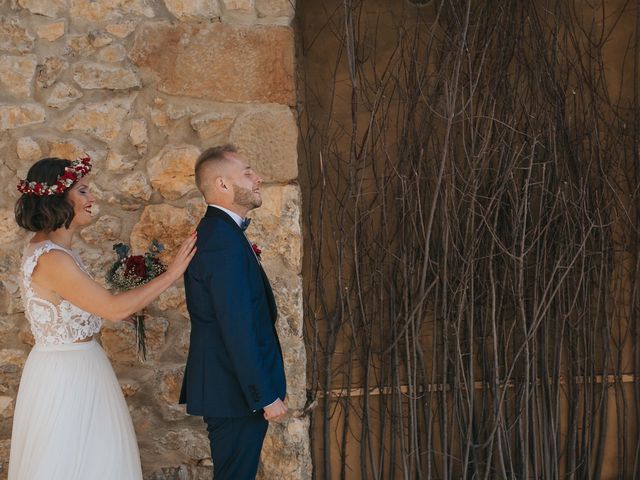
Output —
(44, 212)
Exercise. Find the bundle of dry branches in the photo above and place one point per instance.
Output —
(470, 172)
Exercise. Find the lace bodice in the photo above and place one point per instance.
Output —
(53, 323)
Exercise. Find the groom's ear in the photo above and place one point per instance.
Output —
(220, 183)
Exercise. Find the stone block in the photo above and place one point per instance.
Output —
(28, 149)
(213, 127)
(169, 382)
(94, 258)
(159, 117)
(268, 138)
(10, 232)
(203, 61)
(239, 5)
(48, 71)
(138, 136)
(107, 228)
(276, 227)
(79, 46)
(193, 9)
(287, 288)
(194, 444)
(129, 389)
(239, 11)
(275, 8)
(119, 340)
(8, 326)
(196, 207)
(135, 185)
(112, 54)
(5, 447)
(99, 39)
(48, 8)
(10, 299)
(182, 336)
(9, 175)
(168, 224)
(11, 364)
(171, 171)
(68, 149)
(295, 365)
(51, 31)
(14, 36)
(121, 29)
(62, 95)
(172, 299)
(285, 453)
(109, 10)
(117, 163)
(25, 335)
(100, 120)
(16, 74)
(16, 116)
(6, 407)
(181, 472)
(91, 75)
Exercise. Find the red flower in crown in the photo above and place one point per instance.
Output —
(75, 171)
(256, 249)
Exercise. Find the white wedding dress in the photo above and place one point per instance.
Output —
(71, 421)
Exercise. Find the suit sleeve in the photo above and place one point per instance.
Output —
(228, 280)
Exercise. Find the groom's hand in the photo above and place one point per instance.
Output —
(275, 411)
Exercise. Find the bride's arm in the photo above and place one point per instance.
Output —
(58, 271)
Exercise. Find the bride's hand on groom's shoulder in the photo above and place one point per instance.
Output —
(184, 255)
(276, 411)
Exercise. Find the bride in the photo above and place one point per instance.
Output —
(71, 421)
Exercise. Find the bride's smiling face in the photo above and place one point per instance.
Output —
(82, 200)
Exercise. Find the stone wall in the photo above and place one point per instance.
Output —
(143, 86)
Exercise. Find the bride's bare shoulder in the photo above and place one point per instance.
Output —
(55, 262)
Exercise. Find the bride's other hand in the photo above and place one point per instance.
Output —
(184, 255)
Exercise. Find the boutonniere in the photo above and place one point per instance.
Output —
(256, 250)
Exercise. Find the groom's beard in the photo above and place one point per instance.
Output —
(246, 198)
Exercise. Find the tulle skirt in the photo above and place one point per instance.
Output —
(71, 421)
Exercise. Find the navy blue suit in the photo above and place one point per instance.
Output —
(234, 367)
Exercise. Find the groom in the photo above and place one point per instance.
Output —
(234, 376)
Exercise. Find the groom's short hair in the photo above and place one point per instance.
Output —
(211, 155)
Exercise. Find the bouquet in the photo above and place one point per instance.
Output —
(131, 271)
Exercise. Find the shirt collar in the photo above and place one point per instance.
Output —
(236, 218)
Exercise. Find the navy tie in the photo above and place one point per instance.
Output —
(245, 223)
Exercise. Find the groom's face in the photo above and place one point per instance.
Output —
(245, 182)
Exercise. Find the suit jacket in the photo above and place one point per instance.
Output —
(234, 366)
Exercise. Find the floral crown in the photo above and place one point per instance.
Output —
(74, 172)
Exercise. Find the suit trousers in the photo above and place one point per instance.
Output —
(236, 443)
